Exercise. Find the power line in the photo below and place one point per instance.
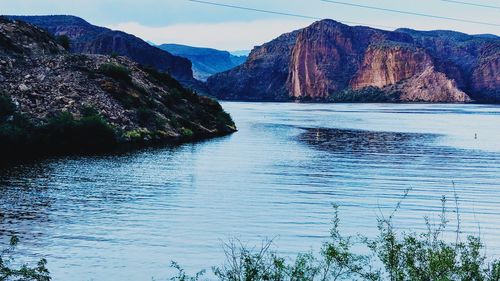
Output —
(255, 10)
(472, 4)
(282, 13)
(409, 13)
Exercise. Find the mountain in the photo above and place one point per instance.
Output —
(90, 39)
(206, 61)
(240, 53)
(53, 101)
(330, 61)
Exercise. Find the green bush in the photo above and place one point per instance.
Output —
(162, 77)
(89, 133)
(146, 116)
(393, 255)
(7, 107)
(187, 133)
(61, 134)
(116, 71)
(64, 41)
(368, 94)
(24, 272)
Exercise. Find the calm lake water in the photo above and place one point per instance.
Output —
(125, 217)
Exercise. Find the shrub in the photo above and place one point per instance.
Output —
(64, 41)
(162, 77)
(368, 94)
(7, 107)
(187, 133)
(64, 133)
(146, 116)
(88, 111)
(116, 71)
(138, 135)
(25, 273)
(394, 256)
(223, 118)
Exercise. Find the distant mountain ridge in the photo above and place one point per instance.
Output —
(331, 61)
(90, 39)
(206, 61)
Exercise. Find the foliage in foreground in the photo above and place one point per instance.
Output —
(24, 272)
(392, 255)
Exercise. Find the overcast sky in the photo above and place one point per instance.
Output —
(197, 24)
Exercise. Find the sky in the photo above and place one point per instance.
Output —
(198, 24)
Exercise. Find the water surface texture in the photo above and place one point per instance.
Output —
(125, 217)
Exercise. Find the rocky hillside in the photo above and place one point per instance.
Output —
(330, 61)
(206, 61)
(45, 91)
(90, 39)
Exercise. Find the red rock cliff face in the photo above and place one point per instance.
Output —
(386, 65)
(330, 61)
(321, 52)
(486, 74)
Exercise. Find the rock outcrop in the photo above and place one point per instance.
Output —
(329, 58)
(43, 80)
(86, 38)
(262, 77)
(388, 64)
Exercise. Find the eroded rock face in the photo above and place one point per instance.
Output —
(328, 57)
(486, 74)
(429, 86)
(386, 65)
(323, 53)
(262, 77)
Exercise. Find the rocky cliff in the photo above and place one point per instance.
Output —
(40, 81)
(328, 59)
(90, 39)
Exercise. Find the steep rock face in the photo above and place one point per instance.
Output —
(486, 74)
(328, 58)
(43, 80)
(206, 61)
(388, 64)
(429, 86)
(468, 59)
(90, 39)
(262, 77)
(323, 55)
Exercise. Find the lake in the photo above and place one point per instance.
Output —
(126, 216)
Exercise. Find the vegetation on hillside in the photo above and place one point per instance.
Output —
(64, 41)
(365, 95)
(61, 133)
(116, 71)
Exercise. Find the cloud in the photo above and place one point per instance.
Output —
(225, 36)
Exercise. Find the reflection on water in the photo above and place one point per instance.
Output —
(359, 142)
(125, 216)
